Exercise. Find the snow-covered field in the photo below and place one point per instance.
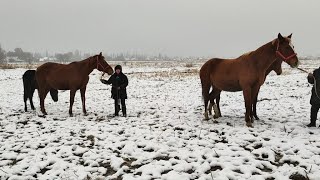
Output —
(164, 136)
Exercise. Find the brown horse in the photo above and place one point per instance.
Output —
(245, 73)
(71, 77)
(276, 67)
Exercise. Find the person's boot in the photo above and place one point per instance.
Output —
(116, 109)
(312, 124)
(124, 111)
(313, 116)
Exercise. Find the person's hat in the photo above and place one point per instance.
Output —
(118, 67)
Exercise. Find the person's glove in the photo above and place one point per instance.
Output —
(103, 81)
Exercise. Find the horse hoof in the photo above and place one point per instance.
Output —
(71, 115)
(249, 125)
(206, 118)
(215, 116)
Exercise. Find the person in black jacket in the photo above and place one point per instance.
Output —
(119, 83)
(314, 79)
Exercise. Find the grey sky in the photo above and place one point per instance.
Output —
(174, 27)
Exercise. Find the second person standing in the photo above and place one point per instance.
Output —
(119, 83)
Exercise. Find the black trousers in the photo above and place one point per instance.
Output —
(314, 113)
(117, 107)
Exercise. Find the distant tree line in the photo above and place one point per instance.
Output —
(18, 55)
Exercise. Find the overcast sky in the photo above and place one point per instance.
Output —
(225, 28)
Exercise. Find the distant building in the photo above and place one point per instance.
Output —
(47, 59)
(14, 59)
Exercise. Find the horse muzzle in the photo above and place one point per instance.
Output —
(109, 71)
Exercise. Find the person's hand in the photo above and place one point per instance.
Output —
(103, 81)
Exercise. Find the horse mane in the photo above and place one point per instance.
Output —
(246, 54)
(90, 57)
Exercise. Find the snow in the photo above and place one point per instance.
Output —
(164, 135)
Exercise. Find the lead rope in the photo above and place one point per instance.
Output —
(314, 81)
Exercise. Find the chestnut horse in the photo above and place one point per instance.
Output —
(245, 73)
(276, 67)
(71, 77)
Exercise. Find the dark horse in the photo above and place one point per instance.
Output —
(276, 66)
(71, 77)
(29, 86)
(245, 73)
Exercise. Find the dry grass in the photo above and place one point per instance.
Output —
(14, 66)
(189, 65)
(166, 74)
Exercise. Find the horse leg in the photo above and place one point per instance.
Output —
(211, 103)
(254, 97)
(255, 100)
(26, 91)
(248, 104)
(31, 99)
(25, 98)
(42, 95)
(216, 108)
(215, 94)
(205, 95)
(83, 99)
(72, 94)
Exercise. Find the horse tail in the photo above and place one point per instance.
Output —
(54, 94)
(26, 86)
(205, 79)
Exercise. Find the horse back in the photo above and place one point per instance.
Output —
(62, 76)
(218, 65)
(223, 74)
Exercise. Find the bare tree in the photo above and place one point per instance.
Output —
(2, 56)
(66, 57)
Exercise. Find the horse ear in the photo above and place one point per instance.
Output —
(100, 54)
(280, 37)
(290, 36)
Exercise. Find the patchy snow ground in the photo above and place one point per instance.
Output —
(164, 136)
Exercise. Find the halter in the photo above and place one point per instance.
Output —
(285, 59)
(100, 65)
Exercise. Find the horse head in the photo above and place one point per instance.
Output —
(285, 50)
(102, 64)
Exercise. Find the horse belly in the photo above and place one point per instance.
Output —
(60, 85)
(228, 85)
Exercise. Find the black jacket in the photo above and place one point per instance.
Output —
(119, 84)
(315, 100)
